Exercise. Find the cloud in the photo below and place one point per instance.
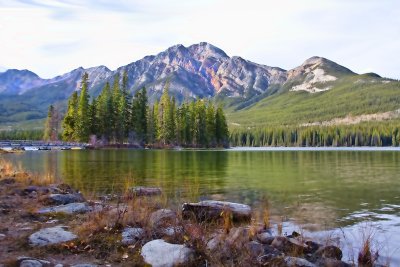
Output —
(50, 37)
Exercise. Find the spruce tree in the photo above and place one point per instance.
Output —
(69, 121)
(51, 125)
(82, 121)
(221, 128)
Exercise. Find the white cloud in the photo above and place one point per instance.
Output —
(53, 37)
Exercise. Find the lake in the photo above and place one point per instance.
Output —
(326, 193)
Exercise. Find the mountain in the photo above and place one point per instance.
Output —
(200, 70)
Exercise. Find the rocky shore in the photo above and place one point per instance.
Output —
(45, 224)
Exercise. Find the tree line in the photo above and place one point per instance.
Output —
(368, 134)
(117, 117)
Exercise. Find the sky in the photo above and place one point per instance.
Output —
(52, 37)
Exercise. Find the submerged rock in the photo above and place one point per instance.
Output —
(212, 210)
(132, 235)
(62, 199)
(50, 236)
(145, 191)
(159, 253)
(68, 209)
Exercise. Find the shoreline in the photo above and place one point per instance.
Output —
(117, 229)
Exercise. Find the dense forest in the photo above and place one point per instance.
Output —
(116, 117)
(366, 134)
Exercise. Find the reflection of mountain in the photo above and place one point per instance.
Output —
(309, 186)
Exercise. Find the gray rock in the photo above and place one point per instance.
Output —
(288, 244)
(254, 249)
(59, 265)
(298, 262)
(171, 231)
(325, 262)
(62, 199)
(265, 238)
(212, 210)
(84, 265)
(68, 209)
(330, 252)
(145, 191)
(2, 236)
(132, 235)
(49, 236)
(162, 218)
(30, 263)
(238, 236)
(159, 253)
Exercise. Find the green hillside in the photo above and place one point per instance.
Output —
(350, 95)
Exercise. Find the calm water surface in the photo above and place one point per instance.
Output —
(326, 194)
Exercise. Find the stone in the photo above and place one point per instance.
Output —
(171, 231)
(288, 244)
(144, 191)
(330, 252)
(212, 210)
(38, 189)
(238, 236)
(312, 247)
(84, 265)
(50, 236)
(30, 263)
(325, 262)
(2, 236)
(162, 218)
(254, 249)
(298, 262)
(159, 253)
(132, 235)
(70, 208)
(265, 238)
(62, 199)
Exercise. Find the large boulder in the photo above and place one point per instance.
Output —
(62, 199)
(213, 210)
(70, 208)
(50, 236)
(159, 253)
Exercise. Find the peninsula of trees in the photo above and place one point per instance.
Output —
(115, 117)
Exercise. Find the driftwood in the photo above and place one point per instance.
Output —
(209, 210)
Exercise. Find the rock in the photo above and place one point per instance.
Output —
(312, 246)
(215, 242)
(325, 262)
(68, 209)
(330, 252)
(265, 238)
(2, 236)
(288, 244)
(84, 265)
(132, 235)
(271, 257)
(298, 262)
(145, 191)
(162, 218)
(49, 236)
(59, 265)
(38, 189)
(159, 253)
(254, 249)
(171, 231)
(212, 210)
(30, 263)
(62, 199)
(61, 189)
(238, 236)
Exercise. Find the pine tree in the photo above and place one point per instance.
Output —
(210, 125)
(69, 122)
(139, 115)
(104, 113)
(82, 121)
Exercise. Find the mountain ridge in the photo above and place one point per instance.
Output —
(199, 70)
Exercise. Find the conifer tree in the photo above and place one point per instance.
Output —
(82, 121)
(69, 122)
(221, 128)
